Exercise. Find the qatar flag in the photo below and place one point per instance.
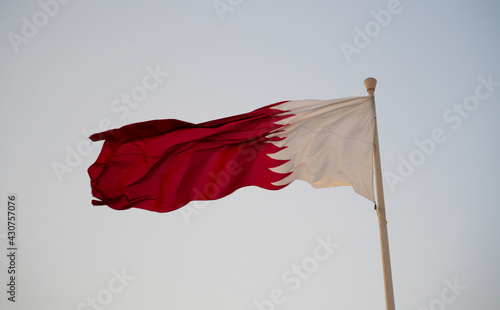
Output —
(162, 165)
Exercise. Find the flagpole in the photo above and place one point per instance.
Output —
(370, 84)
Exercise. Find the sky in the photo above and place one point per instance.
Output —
(71, 68)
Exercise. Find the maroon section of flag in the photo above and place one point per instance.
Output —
(162, 165)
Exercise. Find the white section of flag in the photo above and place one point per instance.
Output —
(328, 143)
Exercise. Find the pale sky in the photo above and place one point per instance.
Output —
(69, 68)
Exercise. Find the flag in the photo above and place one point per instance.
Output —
(161, 165)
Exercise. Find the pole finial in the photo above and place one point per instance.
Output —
(370, 84)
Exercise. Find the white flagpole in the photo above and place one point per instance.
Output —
(370, 84)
